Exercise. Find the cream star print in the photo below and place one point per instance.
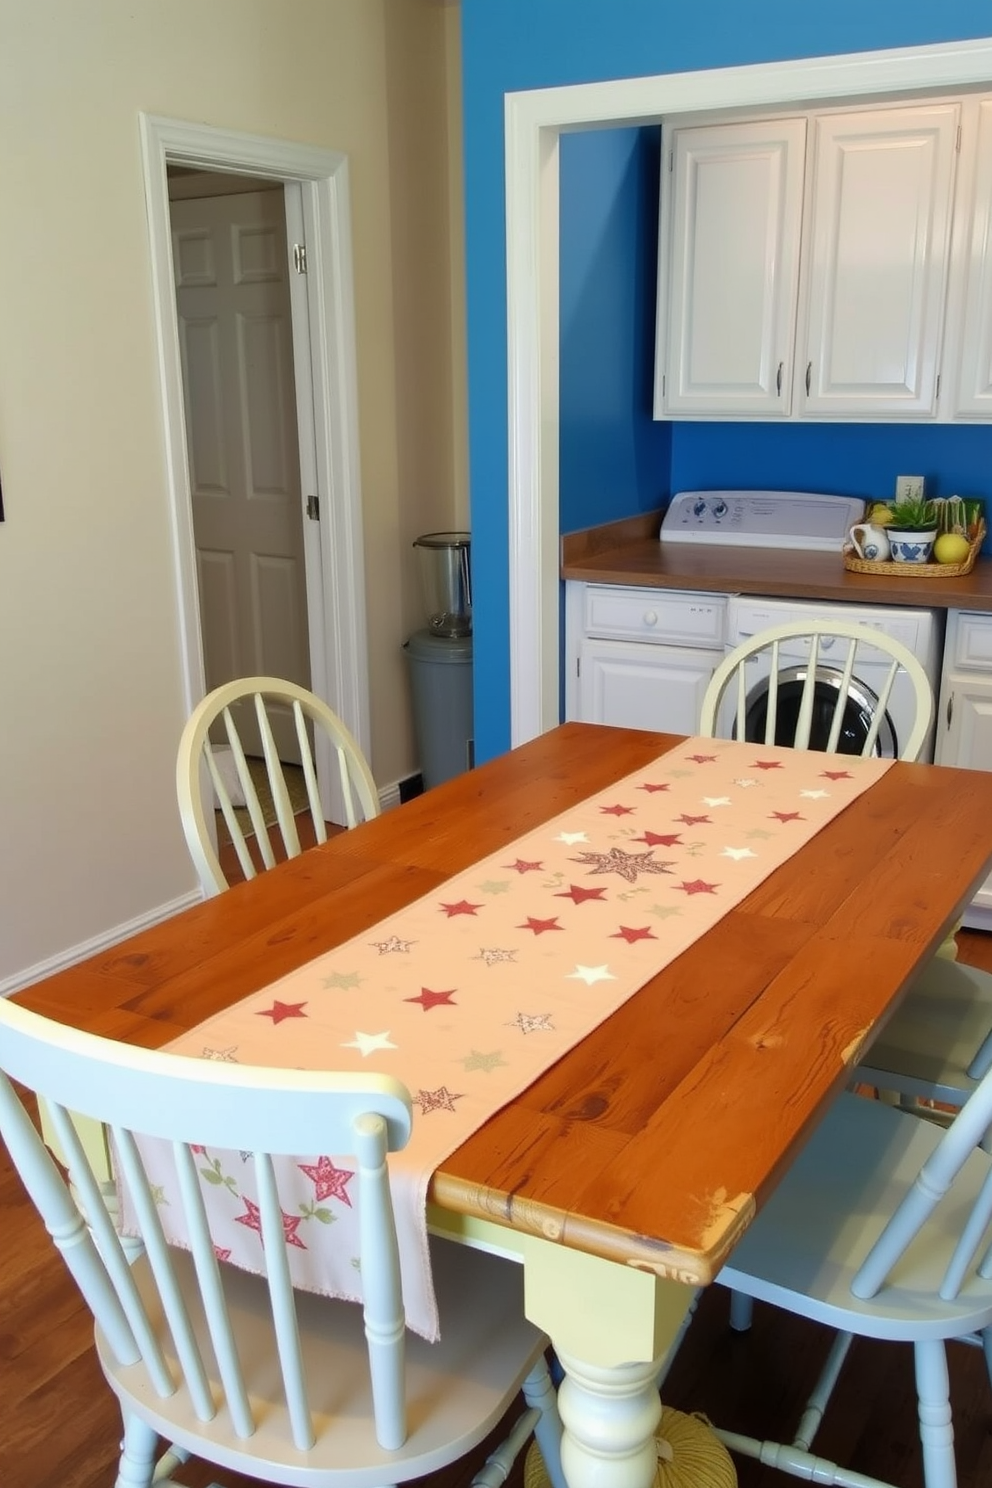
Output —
(737, 853)
(590, 975)
(368, 1043)
(571, 838)
(392, 946)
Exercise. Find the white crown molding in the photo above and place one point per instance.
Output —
(533, 124)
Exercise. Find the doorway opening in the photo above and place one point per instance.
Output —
(317, 222)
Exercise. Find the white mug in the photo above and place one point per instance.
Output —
(870, 542)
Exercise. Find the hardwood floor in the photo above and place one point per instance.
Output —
(59, 1423)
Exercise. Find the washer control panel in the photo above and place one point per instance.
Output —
(762, 519)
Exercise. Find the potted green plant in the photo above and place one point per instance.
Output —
(914, 514)
(912, 529)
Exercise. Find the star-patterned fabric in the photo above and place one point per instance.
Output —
(470, 993)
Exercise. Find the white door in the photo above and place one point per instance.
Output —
(733, 195)
(236, 341)
(876, 271)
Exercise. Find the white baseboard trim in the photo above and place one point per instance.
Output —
(389, 796)
(87, 948)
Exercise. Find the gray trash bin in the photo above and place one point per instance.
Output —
(441, 684)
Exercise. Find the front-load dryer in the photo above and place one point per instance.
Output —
(919, 630)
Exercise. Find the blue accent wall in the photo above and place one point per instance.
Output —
(613, 456)
(614, 460)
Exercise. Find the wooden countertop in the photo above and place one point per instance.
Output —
(628, 552)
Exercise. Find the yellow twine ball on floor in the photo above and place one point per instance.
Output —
(690, 1455)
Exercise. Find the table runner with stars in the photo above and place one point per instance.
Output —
(472, 992)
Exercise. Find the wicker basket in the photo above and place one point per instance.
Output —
(919, 570)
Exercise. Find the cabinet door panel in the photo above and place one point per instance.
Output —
(876, 271)
(974, 396)
(965, 738)
(643, 686)
(730, 279)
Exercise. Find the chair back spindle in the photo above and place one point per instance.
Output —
(191, 1104)
(817, 720)
(306, 728)
(932, 1185)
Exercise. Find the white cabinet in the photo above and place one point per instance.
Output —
(640, 658)
(964, 716)
(876, 265)
(803, 265)
(736, 214)
(973, 305)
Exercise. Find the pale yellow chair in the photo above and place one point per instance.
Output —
(240, 1370)
(266, 705)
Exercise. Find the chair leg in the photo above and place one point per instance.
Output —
(139, 1451)
(741, 1308)
(936, 1429)
(539, 1393)
(167, 1464)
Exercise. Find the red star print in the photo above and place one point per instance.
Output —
(523, 867)
(221, 1253)
(784, 816)
(653, 787)
(702, 759)
(429, 999)
(836, 774)
(252, 1220)
(462, 907)
(539, 926)
(697, 886)
(626, 933)
(693, 821)
(660, 839)
(329, 1182)
(617, 810)
(578, 895)
(767, 765)
(441, 1099)
(280, 1010)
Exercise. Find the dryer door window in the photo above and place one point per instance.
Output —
(860, 708)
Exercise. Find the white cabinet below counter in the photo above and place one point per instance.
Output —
(964, 717)
(640, 658)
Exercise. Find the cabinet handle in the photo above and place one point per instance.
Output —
(950, 709)
(650, 618)
(809, 374)
(778, 379)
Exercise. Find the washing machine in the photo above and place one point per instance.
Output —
(920, 630)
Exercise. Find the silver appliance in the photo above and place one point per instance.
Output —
(446, 582)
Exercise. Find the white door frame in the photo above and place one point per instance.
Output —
(534, 122)
(326, 392)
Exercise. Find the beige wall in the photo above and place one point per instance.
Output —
(90, 691)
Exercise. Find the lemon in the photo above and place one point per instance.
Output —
(950, 547)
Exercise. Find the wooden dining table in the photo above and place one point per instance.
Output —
(624, 1175)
